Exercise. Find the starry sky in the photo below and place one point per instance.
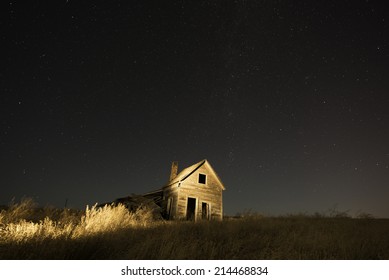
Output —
(288, 100)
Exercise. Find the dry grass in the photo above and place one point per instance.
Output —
(114, 233)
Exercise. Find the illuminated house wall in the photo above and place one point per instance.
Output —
(193, 194)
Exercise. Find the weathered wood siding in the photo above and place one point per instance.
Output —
(210, 193)
(170, 211)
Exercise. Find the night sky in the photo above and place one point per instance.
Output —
(288, 100)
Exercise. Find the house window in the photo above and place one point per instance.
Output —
(202, 178)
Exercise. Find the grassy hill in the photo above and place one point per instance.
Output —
(114, 233)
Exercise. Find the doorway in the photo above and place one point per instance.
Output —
(204, 211)
(191, 209)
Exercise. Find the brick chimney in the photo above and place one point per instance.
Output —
(174, 170)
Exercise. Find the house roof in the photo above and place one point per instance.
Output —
(184, 174)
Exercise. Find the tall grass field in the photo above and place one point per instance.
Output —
(29, 232)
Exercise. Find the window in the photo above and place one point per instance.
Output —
(202, 178)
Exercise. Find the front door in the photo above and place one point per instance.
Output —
(191, 209)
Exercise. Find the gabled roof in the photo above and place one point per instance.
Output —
(184, 174)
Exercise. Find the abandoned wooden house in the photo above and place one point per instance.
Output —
(195, 194)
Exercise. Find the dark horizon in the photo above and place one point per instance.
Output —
(288, 101)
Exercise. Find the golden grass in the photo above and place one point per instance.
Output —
(114, 233)
(18, 222)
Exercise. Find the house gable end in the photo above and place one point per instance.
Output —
(203, 177)
(214, 174)
(194, 170)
